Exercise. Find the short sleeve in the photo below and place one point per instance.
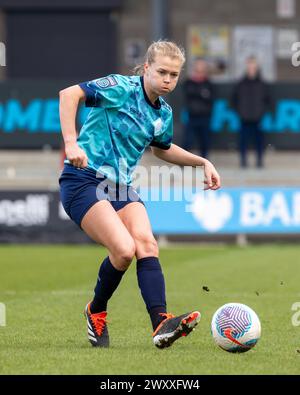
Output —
(107, 92)
(163, 137)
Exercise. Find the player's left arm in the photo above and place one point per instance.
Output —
(181, 157)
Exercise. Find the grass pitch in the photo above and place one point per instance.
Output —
(45, 289)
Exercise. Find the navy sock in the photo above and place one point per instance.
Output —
(108, 280)
(152, 285)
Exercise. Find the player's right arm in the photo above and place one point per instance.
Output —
(69, 99)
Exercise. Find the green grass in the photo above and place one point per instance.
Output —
(45, 289)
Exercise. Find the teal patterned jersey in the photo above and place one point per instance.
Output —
(121, 124)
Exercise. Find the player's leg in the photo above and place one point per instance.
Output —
(149, 271)
(104, 226)
(204, 132)
(167, 328)
(188, 136)
(243, 144)
(135, 218)
(259, 144)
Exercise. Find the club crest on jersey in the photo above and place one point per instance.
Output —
(157, 126)
(106, 82)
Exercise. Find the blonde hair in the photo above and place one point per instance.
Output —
(160, 47)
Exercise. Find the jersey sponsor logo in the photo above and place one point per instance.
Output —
(135, 111)
(106, 82)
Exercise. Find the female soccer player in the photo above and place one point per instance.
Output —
(128, 114)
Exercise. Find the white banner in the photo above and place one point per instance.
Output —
(257, 41)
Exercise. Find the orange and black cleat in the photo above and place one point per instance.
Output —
(173, 327)
(97, 328)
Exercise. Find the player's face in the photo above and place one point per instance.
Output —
(162, 75)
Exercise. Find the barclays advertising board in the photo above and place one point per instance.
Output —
(27, 216)
(228, 211)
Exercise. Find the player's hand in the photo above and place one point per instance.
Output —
(212, 178)
(76, 155)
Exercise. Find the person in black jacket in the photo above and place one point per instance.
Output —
(251, 100)
(198, 99)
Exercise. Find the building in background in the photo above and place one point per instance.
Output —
(218, 29)
(65, 40)
(84, 38)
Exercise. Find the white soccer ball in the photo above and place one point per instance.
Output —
(235, 327)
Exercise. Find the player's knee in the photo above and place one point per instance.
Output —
(126, 253)
(146, 246)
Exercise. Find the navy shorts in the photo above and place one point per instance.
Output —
(80, 189)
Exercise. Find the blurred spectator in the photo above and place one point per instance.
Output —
(198, 98)
(251, 100)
